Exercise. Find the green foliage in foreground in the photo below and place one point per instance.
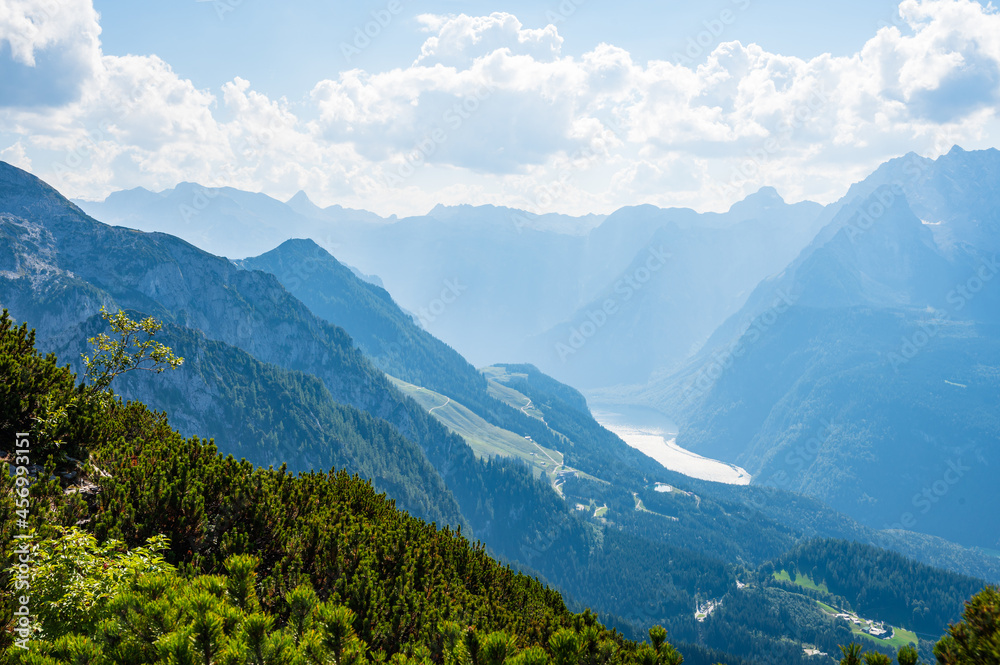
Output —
(106, 605)
(39, 398)
(192, 514)
(127, 351)
(976, 638)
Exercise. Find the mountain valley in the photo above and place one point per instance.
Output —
(296, 360)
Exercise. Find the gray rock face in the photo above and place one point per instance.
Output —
(60, 267)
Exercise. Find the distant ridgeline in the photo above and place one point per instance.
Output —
(242, 562)
(286, 369)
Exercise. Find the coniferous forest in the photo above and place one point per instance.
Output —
(154, 548)
(147, 547)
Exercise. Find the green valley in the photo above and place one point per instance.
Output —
(351, 454)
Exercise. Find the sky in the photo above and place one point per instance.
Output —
(572, 106)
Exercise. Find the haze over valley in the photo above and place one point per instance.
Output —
(473, 339)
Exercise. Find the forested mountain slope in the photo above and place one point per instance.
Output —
(865, 374)
(286, 386)
(139, 479)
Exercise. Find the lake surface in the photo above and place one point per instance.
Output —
(655, 435)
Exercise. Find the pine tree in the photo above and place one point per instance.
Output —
(975, 640)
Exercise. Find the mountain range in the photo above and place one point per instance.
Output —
(864, 373)
(865, 329)
(497, 283)
(294, 357)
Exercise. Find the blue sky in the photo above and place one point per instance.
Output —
(572, 106)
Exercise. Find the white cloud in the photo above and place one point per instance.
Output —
(492, 112)
(49, 50)
(16, 156)
(461, 39)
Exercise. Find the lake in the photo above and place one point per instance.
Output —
(655, 435)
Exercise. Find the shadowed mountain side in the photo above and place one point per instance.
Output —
(863, 374)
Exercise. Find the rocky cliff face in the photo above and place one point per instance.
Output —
(165, 277)
(60, 267)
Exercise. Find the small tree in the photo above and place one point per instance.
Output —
(132, 348)
(852, 654)
(976, 638)
(907, 655)
(876, 658)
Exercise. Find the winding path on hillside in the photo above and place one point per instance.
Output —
(447, 401)
(556, 466)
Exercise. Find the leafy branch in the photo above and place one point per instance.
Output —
(131, 348)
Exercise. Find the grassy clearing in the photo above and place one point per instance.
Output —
(484, 438)
(805, 582)
(826, 607)
(900, 636)
(498, 389)
(801, 580)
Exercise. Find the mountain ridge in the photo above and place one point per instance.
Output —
(706, 530)
(872, 327)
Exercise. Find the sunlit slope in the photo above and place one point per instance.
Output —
(509, 395)
(484, 438)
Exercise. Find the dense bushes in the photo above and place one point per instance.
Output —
(105, 604)
(134, 479)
